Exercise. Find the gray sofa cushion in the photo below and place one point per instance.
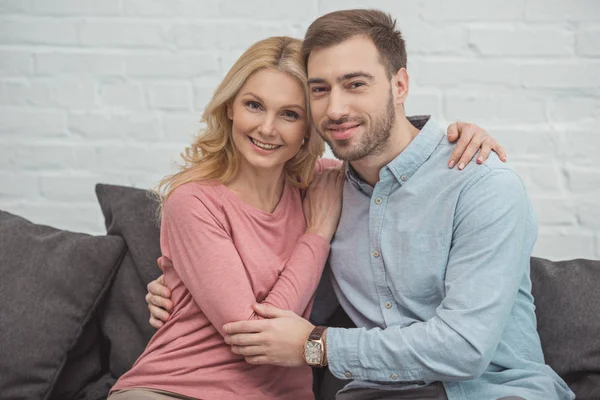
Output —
(567, 299)
(130, 213)
(52, 281)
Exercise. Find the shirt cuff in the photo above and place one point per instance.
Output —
(342, 352)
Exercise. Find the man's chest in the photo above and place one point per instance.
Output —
(392, 248)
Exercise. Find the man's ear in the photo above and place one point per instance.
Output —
(400, 83)
(230, 111)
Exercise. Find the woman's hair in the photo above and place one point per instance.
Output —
(213, 155)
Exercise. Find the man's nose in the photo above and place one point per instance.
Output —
(337, 107)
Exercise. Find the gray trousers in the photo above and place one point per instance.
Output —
(146, 394)
(435, 391)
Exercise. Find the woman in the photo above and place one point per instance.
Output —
(236, 231)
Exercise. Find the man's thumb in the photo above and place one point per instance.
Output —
(269, 311)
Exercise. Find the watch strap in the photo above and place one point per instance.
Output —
(317, 333)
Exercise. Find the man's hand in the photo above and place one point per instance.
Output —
(471, 138)
(278, 340)
(159, 298)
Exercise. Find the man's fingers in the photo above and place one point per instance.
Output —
(159, 302)
(257, 360)
(233, 328)
(158, 313)
(269, 311)
(158, 288)
(247, 350)
(155, 323)
(244, 339)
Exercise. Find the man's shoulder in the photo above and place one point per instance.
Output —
(442, 154)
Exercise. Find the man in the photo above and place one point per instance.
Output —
(431, 264)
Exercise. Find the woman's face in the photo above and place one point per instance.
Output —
(269, 119)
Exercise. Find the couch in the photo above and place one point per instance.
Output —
(73, 317)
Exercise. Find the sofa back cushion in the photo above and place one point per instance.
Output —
(567, 300)
(52, 281)
(132, 214)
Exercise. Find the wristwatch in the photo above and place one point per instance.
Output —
(314, 348)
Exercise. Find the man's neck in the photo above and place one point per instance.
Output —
(402, 134)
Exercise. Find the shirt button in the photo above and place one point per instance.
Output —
(394, 376)
(375, 253)
(348, 374)
(403, 177)
(378, 200)
(388, 305)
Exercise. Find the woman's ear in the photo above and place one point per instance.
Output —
(230, 111)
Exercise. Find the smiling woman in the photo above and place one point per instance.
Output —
(236, 230)
(269, 120)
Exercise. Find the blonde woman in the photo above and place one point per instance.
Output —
(237, 230)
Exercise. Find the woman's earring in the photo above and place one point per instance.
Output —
(303, 141)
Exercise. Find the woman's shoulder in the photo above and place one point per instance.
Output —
(192, 193)
(324, 163)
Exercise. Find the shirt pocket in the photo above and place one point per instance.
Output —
(418, 264)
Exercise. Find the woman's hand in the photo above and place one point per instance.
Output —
(159, 298)
(323, 202)
(471, 138)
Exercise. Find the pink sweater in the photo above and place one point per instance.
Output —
(226, 256)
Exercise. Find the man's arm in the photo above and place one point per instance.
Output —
(488, 260)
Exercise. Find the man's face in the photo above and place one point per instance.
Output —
(351, 98)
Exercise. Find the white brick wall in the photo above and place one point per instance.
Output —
(110, 91)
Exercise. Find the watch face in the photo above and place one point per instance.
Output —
(312, 351)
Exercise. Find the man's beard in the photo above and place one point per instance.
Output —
(372, 143)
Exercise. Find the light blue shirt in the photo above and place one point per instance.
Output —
(432, 265)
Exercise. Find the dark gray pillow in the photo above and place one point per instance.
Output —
(130, 213)
(52, 281)
(567, 300)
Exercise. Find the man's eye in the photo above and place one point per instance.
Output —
(318, 89)
(356, 85)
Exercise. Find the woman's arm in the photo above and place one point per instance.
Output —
(204, 256)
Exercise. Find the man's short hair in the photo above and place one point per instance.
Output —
(334, 28)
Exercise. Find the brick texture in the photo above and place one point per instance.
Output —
(111, 91)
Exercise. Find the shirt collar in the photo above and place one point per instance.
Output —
(418, 150)
(411, 158)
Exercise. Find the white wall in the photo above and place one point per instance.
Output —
(110, 91)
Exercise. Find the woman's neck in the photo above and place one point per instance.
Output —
(259, 188)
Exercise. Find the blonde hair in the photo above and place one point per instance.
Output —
(213, 155)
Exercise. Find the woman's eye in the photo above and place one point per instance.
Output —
(291, 114)
(253, 105)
